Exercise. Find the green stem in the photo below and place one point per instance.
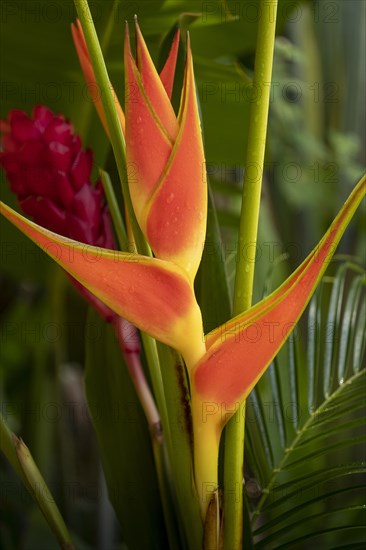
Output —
(153, 362)
(118, 223)
(252, 184)
(114, 127)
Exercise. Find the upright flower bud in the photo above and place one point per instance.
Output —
(166, 157)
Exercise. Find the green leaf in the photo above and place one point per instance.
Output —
(123, 439)
(305, 433)
(213, 293)
(21, 460)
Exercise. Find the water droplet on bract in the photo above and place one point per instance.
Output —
(170, 199)
(175, 219)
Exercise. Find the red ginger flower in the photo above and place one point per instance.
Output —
(51, 175)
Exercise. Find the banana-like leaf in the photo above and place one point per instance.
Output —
(152, 294)
(213, 294)
(305, 431)
(124, 442)
(240, 351)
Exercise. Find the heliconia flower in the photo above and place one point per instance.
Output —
(156, 294)
(167, 187)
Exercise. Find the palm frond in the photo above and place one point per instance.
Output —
(305, 426)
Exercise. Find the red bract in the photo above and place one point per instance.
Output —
(51, 175)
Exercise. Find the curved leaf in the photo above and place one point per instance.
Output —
(124, 442)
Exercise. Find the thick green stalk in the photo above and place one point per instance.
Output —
(234, 440)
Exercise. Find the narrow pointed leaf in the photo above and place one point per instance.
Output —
(42, 495)
(245, 347)
(21, 460)
(90, 79)
(152, 294)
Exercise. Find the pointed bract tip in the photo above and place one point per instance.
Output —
(177, 35)
(127, 39)
(188, 46)
(138, 30)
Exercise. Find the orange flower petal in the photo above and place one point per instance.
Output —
(238, 358)
(176, 215)
(148, 146)
(154, 88)
(261, 307)
(152, 294)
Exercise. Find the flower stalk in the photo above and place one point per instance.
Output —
(247, 238)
